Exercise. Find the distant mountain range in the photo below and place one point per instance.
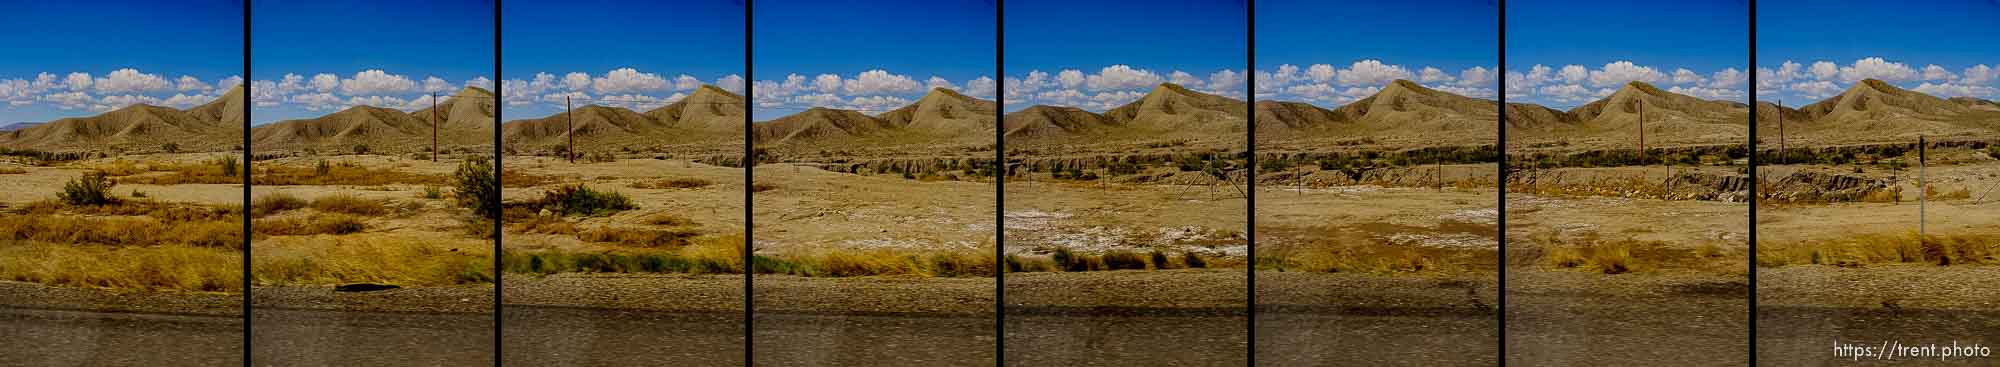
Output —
(1874, 111)
(466, 119)
(18, 126)
(215, 126)
(709, 116)
(1401, 113)
(941, 118)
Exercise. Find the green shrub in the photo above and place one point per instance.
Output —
(1122, 260)
(581, 200)
(1193, 260)
(228, 164)
(91, 189)
(477, 187)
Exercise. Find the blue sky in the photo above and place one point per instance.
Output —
(868, 55)
(1097, 55)
(1944, 48)
(1331, 53)
(69, 59)
(313, 58)
(1567, 53)
(617, 53)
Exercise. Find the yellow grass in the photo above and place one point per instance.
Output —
(673, 183)
(340, 174)
(12, 171)
(1863, 250)
(175, 267)
(332, 260)
(321, 223)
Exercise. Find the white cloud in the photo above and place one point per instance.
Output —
(627, 80)
(317, 101)
(1934, 72)
(69, 100)
(1728, 78)
(1685, 76)
(936, 82)
(1824, 70)
(827, 83)
(1877, 68)
(1371, 72)
(1709, 93)
(480, 82)
(1321, 73)
(1573, 74)
(436, 84)
(981, 87)
(1621, 72)
(376, 82)
(1117, 77)
(576, 81)
(1226, 81)
(190, 83)
(1568, 93)
(732, 83)
(131, 81)
(1184, 79)
(324, 83)
(1070, 79)
(686, 82)
(879, 82)
(1476, 76)
(1433, 75)
(1815, 89)
(184, 101)
(1948, 90)
(1979, 75)
(77, 82)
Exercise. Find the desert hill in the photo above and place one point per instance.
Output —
(1669, 119)
(1875, 111)
(709, 116)
(1402, 113)
(460, 122)
(1169, 111)
(942, 116)
(215, 126)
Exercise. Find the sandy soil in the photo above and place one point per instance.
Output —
(811, 208)
(1092, 217)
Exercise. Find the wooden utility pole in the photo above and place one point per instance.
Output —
(570, 152)
(1642, 132)
(434, 127)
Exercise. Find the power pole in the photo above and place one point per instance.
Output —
(570, 152)
(434, 127)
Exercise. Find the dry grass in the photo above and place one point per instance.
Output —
(175, 267)
(636, 237)
(673, 183)
(12, 171)
(1378, 258)
(321, 223)
(848, 262)
(122, 231)
(274, 203)
(350, 205)
(668, 219)
(1863, 250)
(705, 255)
(375, 260)
(340, 174)
(214, 171)
(544, 224)
(517, 179)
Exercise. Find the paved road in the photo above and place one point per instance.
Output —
(1570, 333)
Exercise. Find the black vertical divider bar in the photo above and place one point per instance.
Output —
(1250, 199)
(1000, 186)
(245, 209)
(1500, 290)
(1752, 297)
(498, 313)
(749, 163)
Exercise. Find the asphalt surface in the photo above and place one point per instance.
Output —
(1551, 332)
